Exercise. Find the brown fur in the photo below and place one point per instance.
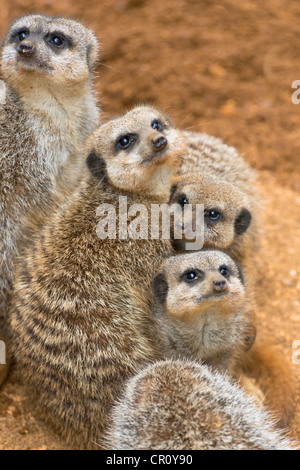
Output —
(197, 319)
(226, 182)
(81, 320)
(234, 232)
(210, 155)
(273, 374)
(175, 405)
(216, 173)
(48, 113)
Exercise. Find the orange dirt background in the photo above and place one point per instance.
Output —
(224, 68)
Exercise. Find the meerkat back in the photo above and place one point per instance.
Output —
(48, 110)
(175, 405)
(211, 155)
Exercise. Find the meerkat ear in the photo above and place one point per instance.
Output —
(97, 166)
(240, 271)
(92, 53)
(172, 192)
(160, 288)
(250, 339)
(242, 222)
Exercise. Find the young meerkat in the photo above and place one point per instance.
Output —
(48, 112)
(81, 319)
(211, 158)
(228, 224)
(176, 405)
(200, 309)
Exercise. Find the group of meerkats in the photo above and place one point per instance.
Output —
(126, 344)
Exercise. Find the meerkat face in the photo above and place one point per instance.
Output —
(137, 152)
(38, 46)
(226, 212)
(196, 283)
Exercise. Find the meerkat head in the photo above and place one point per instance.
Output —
(137, 152)
(193, 284)
(59, 50)
(226, 210)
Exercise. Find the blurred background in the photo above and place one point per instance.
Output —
(224, 68)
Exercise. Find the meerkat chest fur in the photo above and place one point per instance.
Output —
(200, 308)
(57, 127)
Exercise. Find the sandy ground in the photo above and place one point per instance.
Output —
(224, 68)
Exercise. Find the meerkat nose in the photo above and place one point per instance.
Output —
(26, 48)
(220, 285)
(159, 143)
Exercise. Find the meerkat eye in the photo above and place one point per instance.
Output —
(192, 275)
(213, 215)
(57, 40)
(22, 35)
(157, 125)
(125, 141)
(182, 200)
(224, 271)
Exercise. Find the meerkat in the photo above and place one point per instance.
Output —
(227, 214)
(80, 319)
(201, 309)
(180, 405)
(48, 112)
(211, 158)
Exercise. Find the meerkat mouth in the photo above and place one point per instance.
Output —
(32, 64)
(157, 157)
(215, 296)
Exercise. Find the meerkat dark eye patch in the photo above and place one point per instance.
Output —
(182, 200)
(213, 215)
(224, 270)
(58, 41)
(192, 275)
(125, 141)
(20, 34)
(97, 166)
(157, 125)
(160, 288)
(242, 222)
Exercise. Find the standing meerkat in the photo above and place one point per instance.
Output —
(176, 405)
(201, 309)
(81, 322)
(48, 112)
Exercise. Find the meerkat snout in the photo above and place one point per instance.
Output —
(220, 285)
(26, 49)
(160, 143)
